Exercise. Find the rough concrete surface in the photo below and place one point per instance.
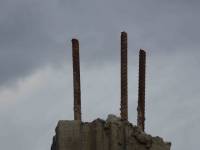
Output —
(112, 134)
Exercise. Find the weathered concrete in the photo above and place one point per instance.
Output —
(112, 134)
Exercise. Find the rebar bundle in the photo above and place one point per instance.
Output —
(141, 90)
(124, 83)
(76, 79)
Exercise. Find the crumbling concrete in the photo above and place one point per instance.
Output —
(112, 134)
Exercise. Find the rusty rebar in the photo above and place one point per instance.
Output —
(124, 77)
(141, 90)
(76, 79)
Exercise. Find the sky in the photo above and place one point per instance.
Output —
(36, 88)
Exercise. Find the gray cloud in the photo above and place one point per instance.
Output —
(35, 35)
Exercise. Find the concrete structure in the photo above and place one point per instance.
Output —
(112, 134)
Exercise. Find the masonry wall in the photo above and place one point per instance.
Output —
(112, 134)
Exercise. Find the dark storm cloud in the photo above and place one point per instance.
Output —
(36, 33)
(24, 42)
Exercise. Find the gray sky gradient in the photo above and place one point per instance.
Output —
(36, 71)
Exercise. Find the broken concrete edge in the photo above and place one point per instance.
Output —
(141, 137)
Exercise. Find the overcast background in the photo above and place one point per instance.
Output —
(36, 70)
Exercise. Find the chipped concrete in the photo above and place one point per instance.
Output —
(112, 134)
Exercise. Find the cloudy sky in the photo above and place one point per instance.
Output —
(36, 69)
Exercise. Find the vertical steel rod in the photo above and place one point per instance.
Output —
(141, 90)
(124, 83)
(76, 79)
